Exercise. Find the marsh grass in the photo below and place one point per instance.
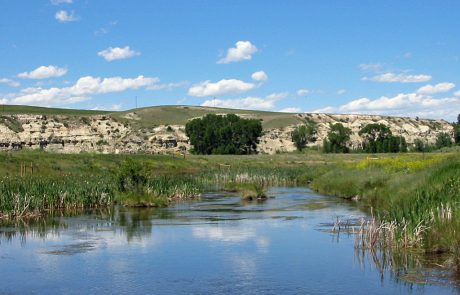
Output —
(28, 196)
(410, 208)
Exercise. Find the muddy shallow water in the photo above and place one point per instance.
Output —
(217, 245)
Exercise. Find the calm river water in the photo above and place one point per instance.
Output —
(217, 245)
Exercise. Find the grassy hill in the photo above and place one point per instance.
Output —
(158, 115)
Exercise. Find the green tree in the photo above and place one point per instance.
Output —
(377, 138)
(337, 139)
(304, 134)
(457, 130)
(443, 140)
(230, 134)
(420, 146)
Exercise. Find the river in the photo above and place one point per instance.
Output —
(216, 245)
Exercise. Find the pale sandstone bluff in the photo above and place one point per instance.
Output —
(104, 134)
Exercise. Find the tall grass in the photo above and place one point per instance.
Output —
(416, 201)
(22, 196)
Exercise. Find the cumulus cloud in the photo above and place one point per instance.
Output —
(326, 110)
(251, 102)
(243, 50)
(9, 82)
(222, 87)
(58, 2)
(438, 88)
(65, 17)
(290, 110)
(44, 72)
(259, 76)
(114, 107)
(80, 91)
(457, 93)
(398, 78)
(403, 104)
(115, 53)
(303, 92)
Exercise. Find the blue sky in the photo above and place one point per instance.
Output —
(376, 57)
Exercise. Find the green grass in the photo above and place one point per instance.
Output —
(413, 192)
(407, 189)
(179, 115)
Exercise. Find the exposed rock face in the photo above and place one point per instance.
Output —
(89, 134)
(280, 139)
(103, 134)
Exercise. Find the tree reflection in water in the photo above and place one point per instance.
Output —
(135, 223)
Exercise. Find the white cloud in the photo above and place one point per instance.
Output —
(80, 91)
(277, 96)
(341, 91)
(243, 50)
(65, 17)
(222, 87)
(290, 110)
(374, 67)
(457, 93)
(9, 82)
(438, 88)
(251, 103)
(44, 72)
(57, 2)
(114, 107)
(403, 104)
(259, 76)
(400, 78)
(400, 101)
(115, 53)
(105, 30)
(3, 101)
(326, 110)
(168, 86)
(303, 92)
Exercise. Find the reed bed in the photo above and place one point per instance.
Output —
(28, 196)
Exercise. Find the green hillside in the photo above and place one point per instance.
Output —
(158, 115)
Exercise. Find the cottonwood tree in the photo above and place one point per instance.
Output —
(337, 140)
(378, 138)
(230, 134)
(304, 134)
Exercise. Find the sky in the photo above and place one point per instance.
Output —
(387, 57)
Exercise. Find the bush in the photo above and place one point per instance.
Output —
(443, 140)
(131, 177)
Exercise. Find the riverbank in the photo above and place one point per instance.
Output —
(418, 193)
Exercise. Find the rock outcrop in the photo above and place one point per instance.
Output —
(106, 134)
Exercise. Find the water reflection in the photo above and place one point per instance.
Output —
(218, 244)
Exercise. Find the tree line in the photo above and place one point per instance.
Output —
(230, 134)
(376, 138)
